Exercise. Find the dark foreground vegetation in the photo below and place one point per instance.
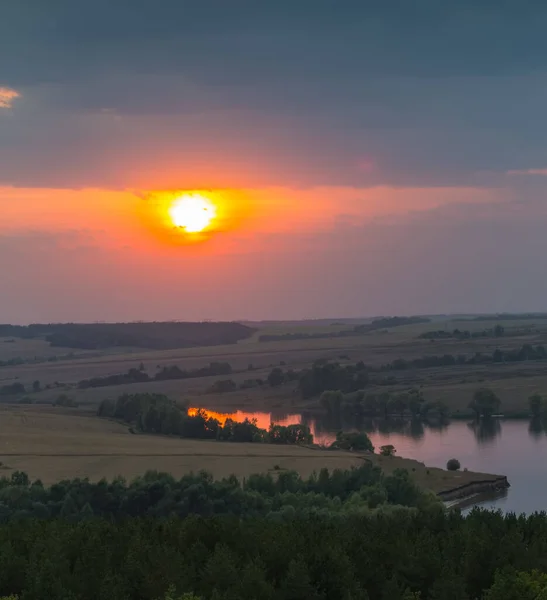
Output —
(278, 495)
(351, 535)
(156, 413)
(158, 336)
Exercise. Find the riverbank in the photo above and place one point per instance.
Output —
(447, 485)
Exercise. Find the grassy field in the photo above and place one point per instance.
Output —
(55, 444)
(514, 382)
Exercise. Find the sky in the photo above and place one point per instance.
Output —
(366, 157)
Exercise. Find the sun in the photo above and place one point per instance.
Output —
(192, 212)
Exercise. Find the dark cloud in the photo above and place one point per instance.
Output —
(250, 40)
(298, 92)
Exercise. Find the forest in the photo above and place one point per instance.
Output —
(353, 535)
(158, 335)
(276, 495)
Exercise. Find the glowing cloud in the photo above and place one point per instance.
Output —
(7, 97)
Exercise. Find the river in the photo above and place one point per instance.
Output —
(515, 448)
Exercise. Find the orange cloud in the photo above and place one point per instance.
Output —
(246, 222)
(7, 97)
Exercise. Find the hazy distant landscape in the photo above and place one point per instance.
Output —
(263, 374)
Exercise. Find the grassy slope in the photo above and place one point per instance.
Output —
(54, 444)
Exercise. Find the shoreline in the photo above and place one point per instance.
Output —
(459, 495)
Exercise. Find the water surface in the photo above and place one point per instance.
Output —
(515, 448)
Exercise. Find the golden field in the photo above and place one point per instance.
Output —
(54, 444)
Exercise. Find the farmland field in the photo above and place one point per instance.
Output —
(53, 444)
(253, 359)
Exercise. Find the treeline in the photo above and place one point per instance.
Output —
(260, 495)
(336, 551)
(156, 413)
(157, 336)
(380, 323)
(403, 404)
(12, 389)
(302, 335)
(458, 334)
(139, 375)
(36, 360)
(507, 317)
(526, 352)
(388, 322)
(325, 376)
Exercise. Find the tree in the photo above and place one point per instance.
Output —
(536, 405)
(276, 377)
(172, 595)
(485, 403)
(297, 582)
(387, 450)
(222, 386)
(69, 507)
(332, 401)
(353, 441)
(36, 386)
(453, 464)
(20, 478)
(518, 586)
(499, 330)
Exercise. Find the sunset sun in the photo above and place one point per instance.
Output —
(192, 212)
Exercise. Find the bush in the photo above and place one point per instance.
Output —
(453, 464)
(388, 450)
(66, 401)
(352, 441)
(223, 385)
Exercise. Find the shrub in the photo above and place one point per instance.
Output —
(223, 385)
(352, 441)
(453, 464)
(64, 400)
(387, 450)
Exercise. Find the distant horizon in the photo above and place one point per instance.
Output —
(328, 320)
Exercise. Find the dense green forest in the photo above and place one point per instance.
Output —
(267, 539)
(275, 496)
